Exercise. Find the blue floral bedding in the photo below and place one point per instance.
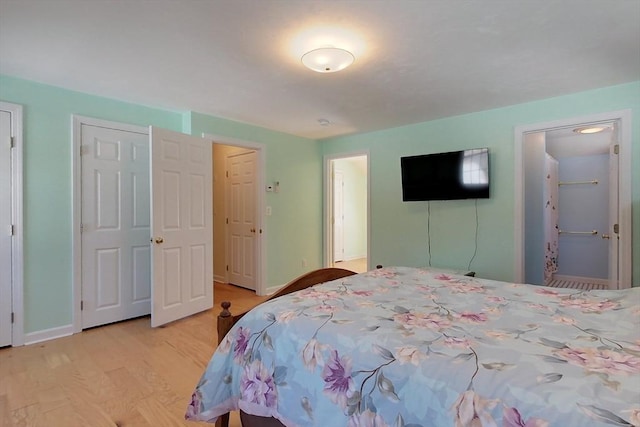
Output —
(416, 347)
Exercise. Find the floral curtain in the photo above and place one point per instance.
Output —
(550, 194)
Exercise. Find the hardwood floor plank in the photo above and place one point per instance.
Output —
(26, 416)
(5, 413)
(157, 414)
(20, 391)
(125, 374)
(129, 387)
(77, 414)
(52, 398)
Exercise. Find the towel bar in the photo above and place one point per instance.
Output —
(592, 232)
(593, 181)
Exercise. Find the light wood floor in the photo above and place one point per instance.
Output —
(124, 374)
(358, 265)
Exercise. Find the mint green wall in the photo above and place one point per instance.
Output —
(399, 230)
(47, 196)
(294, 229)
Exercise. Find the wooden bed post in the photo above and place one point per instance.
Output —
(225, 323)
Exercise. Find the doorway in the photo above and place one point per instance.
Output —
(573, 203)
(240, 209)
(245, 260)
(347, 212)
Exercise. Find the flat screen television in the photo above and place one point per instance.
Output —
(453, 175)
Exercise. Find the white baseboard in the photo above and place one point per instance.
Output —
(219, 278)
(48, 334)
(593, 280)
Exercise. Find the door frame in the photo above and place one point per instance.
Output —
(336, 237)
(227, 192)
(328, 203)
(17, 244)
(261, 252)
(623, 118)
(76, 209)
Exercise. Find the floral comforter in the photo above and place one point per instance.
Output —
(415, 347)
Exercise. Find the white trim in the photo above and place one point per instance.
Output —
(328, 203)
(17, 245)
(261, 151)
(624, 119)
(76, 201)
(48, 334)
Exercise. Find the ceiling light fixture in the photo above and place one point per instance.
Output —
(324, 122)
(327, 59)
(590, 129)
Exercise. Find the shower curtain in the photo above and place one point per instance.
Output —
(550, 215)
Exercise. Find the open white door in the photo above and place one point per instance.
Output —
(614, 196)
(181, 226)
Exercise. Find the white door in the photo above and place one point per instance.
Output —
(181, 226)
(5, 229)
(612, 232)
(338, 216)
(242, 230)
(115, 225)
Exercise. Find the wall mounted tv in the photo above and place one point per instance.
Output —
(446, 176)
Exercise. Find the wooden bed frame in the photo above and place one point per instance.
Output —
(226, 320)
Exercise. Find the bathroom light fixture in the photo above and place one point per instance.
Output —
(327, 59)
(590, 129)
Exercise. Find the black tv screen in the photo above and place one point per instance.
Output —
(446, 176)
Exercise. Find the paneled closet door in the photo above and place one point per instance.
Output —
(115, 225)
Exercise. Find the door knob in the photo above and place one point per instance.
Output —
(159, 240)
(605, 236)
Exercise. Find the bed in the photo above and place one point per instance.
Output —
(409, 347)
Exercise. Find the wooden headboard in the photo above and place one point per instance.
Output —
(226, 320)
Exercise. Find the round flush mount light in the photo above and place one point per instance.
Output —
(327, 59)
(590, 129)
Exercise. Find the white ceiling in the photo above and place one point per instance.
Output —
(565, 142)
(240, 59)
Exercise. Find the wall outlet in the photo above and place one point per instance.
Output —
(268, 211)
(304, 262)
